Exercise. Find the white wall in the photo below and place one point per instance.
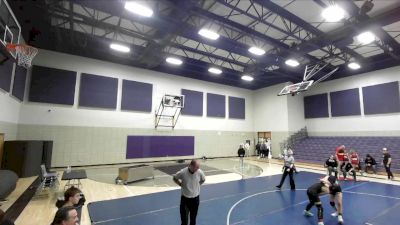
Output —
(382, 124)
(9, 113)
(295, 106)
(270, 110)
(34, 113)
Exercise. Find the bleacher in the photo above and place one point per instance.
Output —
(316, 150)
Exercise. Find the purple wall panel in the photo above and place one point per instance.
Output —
(49, 85)
(6, 70)
(381, 98)
(98, 91)
(193, 103)
(18, 90)
(316, 106)
(215, 105)
(237, 108)
(159, 146)
(136, 96)
(345, 103)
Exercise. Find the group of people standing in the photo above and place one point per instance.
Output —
(263, 148)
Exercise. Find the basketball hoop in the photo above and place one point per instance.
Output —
(25, 53)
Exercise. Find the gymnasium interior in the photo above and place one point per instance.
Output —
(111, 99)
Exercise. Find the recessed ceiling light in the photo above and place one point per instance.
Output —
(208, 34)
(292, 62)
(366, 37)
(256, 51)
(354, 66)
(138, 9)
(247, 78)
(120, 48)
(214, 70)
(174, 61)
(333, 13)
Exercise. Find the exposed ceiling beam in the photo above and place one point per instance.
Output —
(377, 30)
(300, 22)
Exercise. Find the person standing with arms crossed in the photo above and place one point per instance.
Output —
(190, 179)
(387, 162)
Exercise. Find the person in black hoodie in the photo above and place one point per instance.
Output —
(331, 164)
(241, 153)
(370, 163)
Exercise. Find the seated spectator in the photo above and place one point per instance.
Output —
(331, 164)
(370, 164)
(66, 216)
(348, 168)
(355, 161)
(258, 146)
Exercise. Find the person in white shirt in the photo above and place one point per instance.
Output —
(247, 149)
(190, 179)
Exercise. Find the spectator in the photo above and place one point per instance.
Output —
(370, 163)
(247, 149)
(355, 161)
(241, 153)
(387, 162)
(72, 197)
(258, 148)
(331, 164)
(263, 149)
(268, 151)
(66, 216)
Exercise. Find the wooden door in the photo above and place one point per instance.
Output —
(1, 147)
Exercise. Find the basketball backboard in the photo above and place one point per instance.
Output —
(10, 30)
(296, 88)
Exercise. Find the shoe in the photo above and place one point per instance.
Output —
(340, 219)
(320, 223)
(293, 189)
(335, 214)
(279, 187)
(307, 213)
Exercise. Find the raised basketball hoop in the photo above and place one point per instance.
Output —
(25, 53)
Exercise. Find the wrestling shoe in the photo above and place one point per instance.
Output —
(320, 223)
(307, 213)
(335, 214)
(340, 219)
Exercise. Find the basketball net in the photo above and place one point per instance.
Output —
(25, 53)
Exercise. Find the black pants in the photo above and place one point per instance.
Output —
(314, 200)
(189, 207)
(285, 173)
(389, 173)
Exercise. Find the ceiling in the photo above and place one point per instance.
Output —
(283, 28)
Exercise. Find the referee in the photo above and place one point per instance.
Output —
(190, 179)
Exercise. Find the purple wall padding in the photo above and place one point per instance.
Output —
(381, 98)
(215, 105)
(237, 108)
(193, 103)
(345, 103)
(18, 90)
(136, 96)
(159, 146)
(49, 85)
(6, 70)
(316, 106)
(98, 91)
